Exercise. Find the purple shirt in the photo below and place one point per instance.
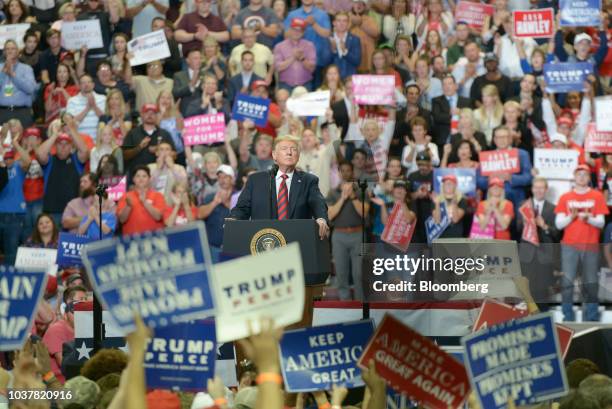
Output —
(296, 74)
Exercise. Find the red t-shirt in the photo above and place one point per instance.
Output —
(181, 218)
(140, 220)
(580, 231)
(34, 183)
(269, 129)
(508, 210)
(57, 334)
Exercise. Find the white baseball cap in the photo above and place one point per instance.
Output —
(202, 401)
(582, 36)
(558, 137)
(227, 170)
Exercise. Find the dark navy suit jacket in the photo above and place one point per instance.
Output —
(305, 198)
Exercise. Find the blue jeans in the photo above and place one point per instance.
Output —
(290, 88)
(33, 209)
(571, 258)
(10, 226)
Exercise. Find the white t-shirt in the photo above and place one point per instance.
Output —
(142, 21)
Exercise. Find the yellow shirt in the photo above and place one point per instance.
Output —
(263, 59)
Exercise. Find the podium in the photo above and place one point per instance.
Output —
(250, 237)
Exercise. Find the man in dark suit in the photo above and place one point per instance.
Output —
(539, 262)
(293, 194)
(187, 82)
(241, 82)
(342, 48)
(342, 109)
(443, 108)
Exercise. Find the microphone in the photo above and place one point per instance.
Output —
(274, 170)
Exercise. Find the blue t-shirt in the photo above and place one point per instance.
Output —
(93, 231)
(214, 222)
(11, 197)
(320, 17)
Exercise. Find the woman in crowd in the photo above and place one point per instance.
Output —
(513, 118)
(400, 196)
(105, 145)
(108, 168)
(333, 83)
(380, 66)
(490, 114)
(17, 13)
(119, 60)
(496, 210)
(456, 207)
(171, 120)
(57, 93)
(434, 17)
(66, 13)
(203, 182)
(432, 46)
(117, 115)
(213, 61)
(466, 130)
(105, 82)
(45, 234)
(399, 22)
(405, 58)
(181, 209)
(465, 155)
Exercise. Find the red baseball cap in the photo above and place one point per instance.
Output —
(298, 23)
(32, 131)
(451, 178)
(582, 167)
(148, 108)
(9, 154)
(496, 182)
(63, 137)
(65, 54)
(564, 120)
(257, 84)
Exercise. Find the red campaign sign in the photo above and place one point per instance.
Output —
(534, 23)
(494, 312)
(499, 161)
(597, 141)
(413, 364)
(398, 232)
(530, 229)
(473, 13)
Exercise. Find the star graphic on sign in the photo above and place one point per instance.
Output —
(83, 351)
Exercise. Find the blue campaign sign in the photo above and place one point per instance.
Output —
(181, 356)
(518, 359)
(20, 292)
(69, 249)
(466, 179)
(164, 275)
(314, 359)
(435, 230)
(562, 77)
(253, 108)
(580, 13)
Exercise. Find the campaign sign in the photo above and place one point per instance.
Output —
(117, 186)
(270, 284)
(580, 13)
(69, 249)
(555, 163)
(315, 358)
(603, 113)
(413, 364)
(181, 356)
(32, 258)
(149, 47)
(20, 291)
(534, 23)
(597, 141)
(374, 89)
(204, 129)
(499, 161)
(516, 360)
(435, 230)
(13, 32)
(466, 180)
(398, 232)
(473, 13)
(562, 77)
(253, 108)
(76, 34)
(311, 104)
(162, 274)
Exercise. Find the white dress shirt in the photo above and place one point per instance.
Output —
(538, 207)
(279, 180)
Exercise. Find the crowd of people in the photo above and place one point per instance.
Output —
(72, 120)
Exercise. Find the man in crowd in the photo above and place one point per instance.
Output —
(142, 13)
(241, 82)
(78, 209)
(261, 19)
(468, 67)
(207, 99)
(50, 58)
(264, 59)
(186, 82)
(17, 87)
(420, 187)
(194, 27)
(295, 58)
(580, 213)
(444, 108)
(492, 76)
(87, 107)
(343, 48)
(147, 87)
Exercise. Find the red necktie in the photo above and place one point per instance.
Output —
(283, 199)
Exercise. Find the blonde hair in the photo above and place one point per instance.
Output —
(285, 138)
(173, 111)
(490, 91)
(111, 93)
(65, 6)
(211, 41)
(513, 104)
(440, 198)
(101, 128)
(208, 156)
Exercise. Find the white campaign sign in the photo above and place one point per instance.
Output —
(603, 114)
(13, 32)
(311, 104)
(555, 163)
(37, 258)
(77, 34)
(149, 47)
(249, 288)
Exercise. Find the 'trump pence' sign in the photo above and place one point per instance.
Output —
(181, 356)
(253, 108)
(20, 292)
(314, 359)
(555, 163)
(518, 359)
(266, 285)
(163, 275)
(413, 364)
